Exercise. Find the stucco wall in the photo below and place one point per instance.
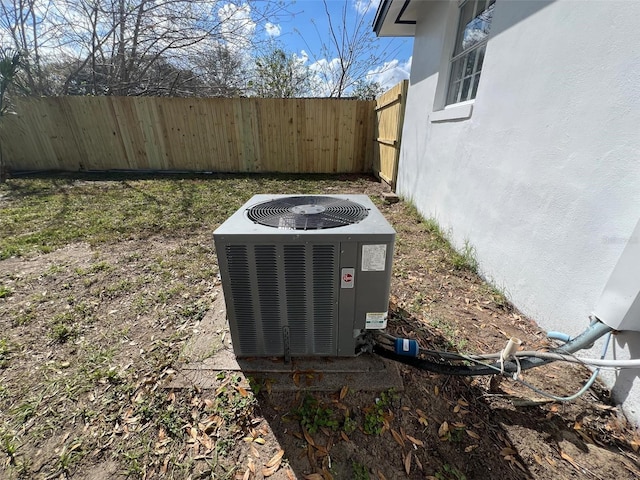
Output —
(543, 179)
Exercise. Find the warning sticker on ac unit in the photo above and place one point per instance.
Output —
(376, 320)
(374, 258)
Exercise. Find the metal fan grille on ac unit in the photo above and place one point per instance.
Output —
(307, 213)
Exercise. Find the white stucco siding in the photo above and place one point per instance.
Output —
(544, 178)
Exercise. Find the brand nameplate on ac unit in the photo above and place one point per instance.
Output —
(347, 277)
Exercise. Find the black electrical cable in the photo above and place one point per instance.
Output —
(584, 340)
(440, 368)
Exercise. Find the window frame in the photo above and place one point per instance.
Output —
(477, 49)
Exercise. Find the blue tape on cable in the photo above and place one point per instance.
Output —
(405, 346)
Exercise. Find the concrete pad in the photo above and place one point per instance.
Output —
(390, 197)
(210, 352)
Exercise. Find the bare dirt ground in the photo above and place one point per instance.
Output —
(89, 334)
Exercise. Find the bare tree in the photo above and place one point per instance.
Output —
(366, 89)
(280, 74)
(222, 71)
(129, 42)
(349, 49)
(29, 24)
(127, 47)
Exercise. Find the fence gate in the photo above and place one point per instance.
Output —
(389, 118)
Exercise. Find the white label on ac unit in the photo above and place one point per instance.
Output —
(374, 258)
(376, 320)
(347, 278)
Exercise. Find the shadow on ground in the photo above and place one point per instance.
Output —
(348, 418)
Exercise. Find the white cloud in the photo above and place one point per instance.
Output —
(303, 57)
(326, 72)
(237, 25)
(324, 75)
(365, 6)
(324, 65)
(390, 73)
(273, 30)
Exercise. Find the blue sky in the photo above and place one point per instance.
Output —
(303, 32)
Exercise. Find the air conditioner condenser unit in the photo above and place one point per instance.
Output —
(305, 275)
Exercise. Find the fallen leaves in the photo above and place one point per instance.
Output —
(254, 451)
(473, 434)
(159, 447)
(407, 463)
(255, 437)
(509, 454)
(568, 458)
(397, 437)
(276, 459)
(308, 437)
(196, 437)
(273, 464)
(165, 465)
(507, 451)
(325, 475)
(242, 391)
(460, 407)
(415, 441)
(343, 392)
(443, 430)
(211, 424)
(422, 417)
(249, 472)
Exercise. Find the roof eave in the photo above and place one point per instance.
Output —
(394, 18)
(381, 14)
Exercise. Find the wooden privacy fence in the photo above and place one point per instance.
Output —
(196, 134)
(389, 119)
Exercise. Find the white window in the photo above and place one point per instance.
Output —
(468, 53)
